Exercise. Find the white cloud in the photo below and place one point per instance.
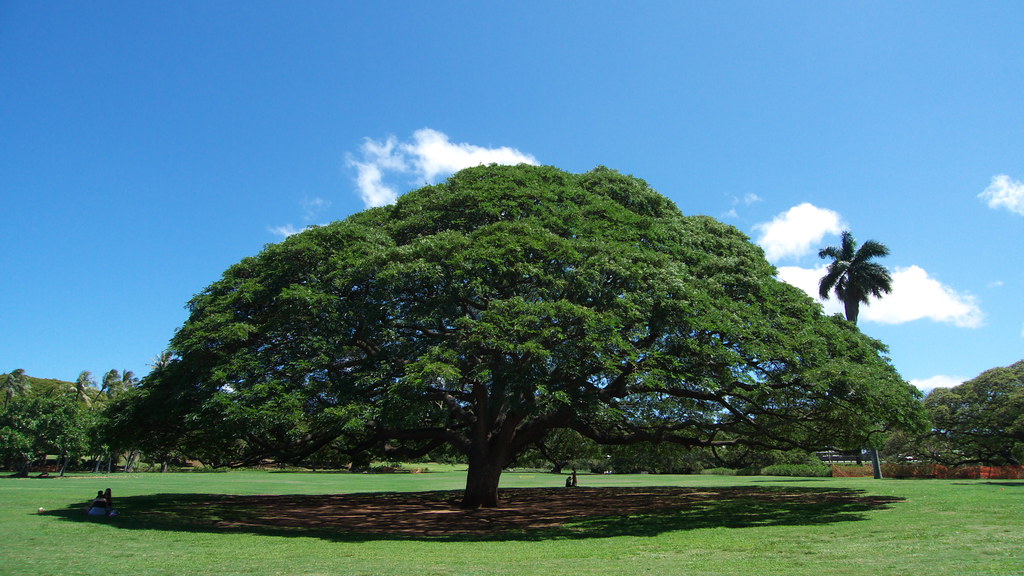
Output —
(797, 231)
(284, 231)
(377, 157)
(311, 207)
(751, 198)
(314, 206)
(939, 381)
(915, 296)
(1004, 192)
(429, 156)
(434, 155)
(747, 200)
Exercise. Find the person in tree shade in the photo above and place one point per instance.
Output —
(98, 506)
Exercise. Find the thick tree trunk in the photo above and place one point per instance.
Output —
(482, 480)
(481, 488)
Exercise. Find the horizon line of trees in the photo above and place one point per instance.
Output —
(979, 422)
(44, 417)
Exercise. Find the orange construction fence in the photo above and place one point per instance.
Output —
(915, 470)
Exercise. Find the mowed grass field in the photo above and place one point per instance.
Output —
(362, 524)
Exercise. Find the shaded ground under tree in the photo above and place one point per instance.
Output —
(525, 513)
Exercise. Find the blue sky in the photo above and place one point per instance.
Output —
(145, 147)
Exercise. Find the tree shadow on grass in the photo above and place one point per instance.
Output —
(525, 514)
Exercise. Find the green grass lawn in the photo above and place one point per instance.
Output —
(177, 524)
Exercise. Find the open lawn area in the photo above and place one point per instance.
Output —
(356, 524)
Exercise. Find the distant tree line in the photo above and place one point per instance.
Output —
(44, 419)
(48, 424)
(979, 422)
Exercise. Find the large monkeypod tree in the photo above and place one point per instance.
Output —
(507, 302)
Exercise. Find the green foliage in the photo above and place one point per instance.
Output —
(487, 312)
(41, 425)
(47, 416)
(753, 460)
(801, 470)
(563, 448)
(13, 385)
(85, 387)
(116, 383)
(719, 471)
(19, 383)
(978, 422)
(662, 458)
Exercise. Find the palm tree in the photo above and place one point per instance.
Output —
(854, 277)
(13, 385)
(83, 386)
(852, 274)
(111, 383)
(128, 380)
(162, 360)
(115, 383)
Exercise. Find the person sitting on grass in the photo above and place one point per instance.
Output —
(100, 506)
(110, 502)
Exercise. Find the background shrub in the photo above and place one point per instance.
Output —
(719, 471)
(801, 470)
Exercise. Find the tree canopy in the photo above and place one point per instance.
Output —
(980, 421)
(31, 425)
(486, 311)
